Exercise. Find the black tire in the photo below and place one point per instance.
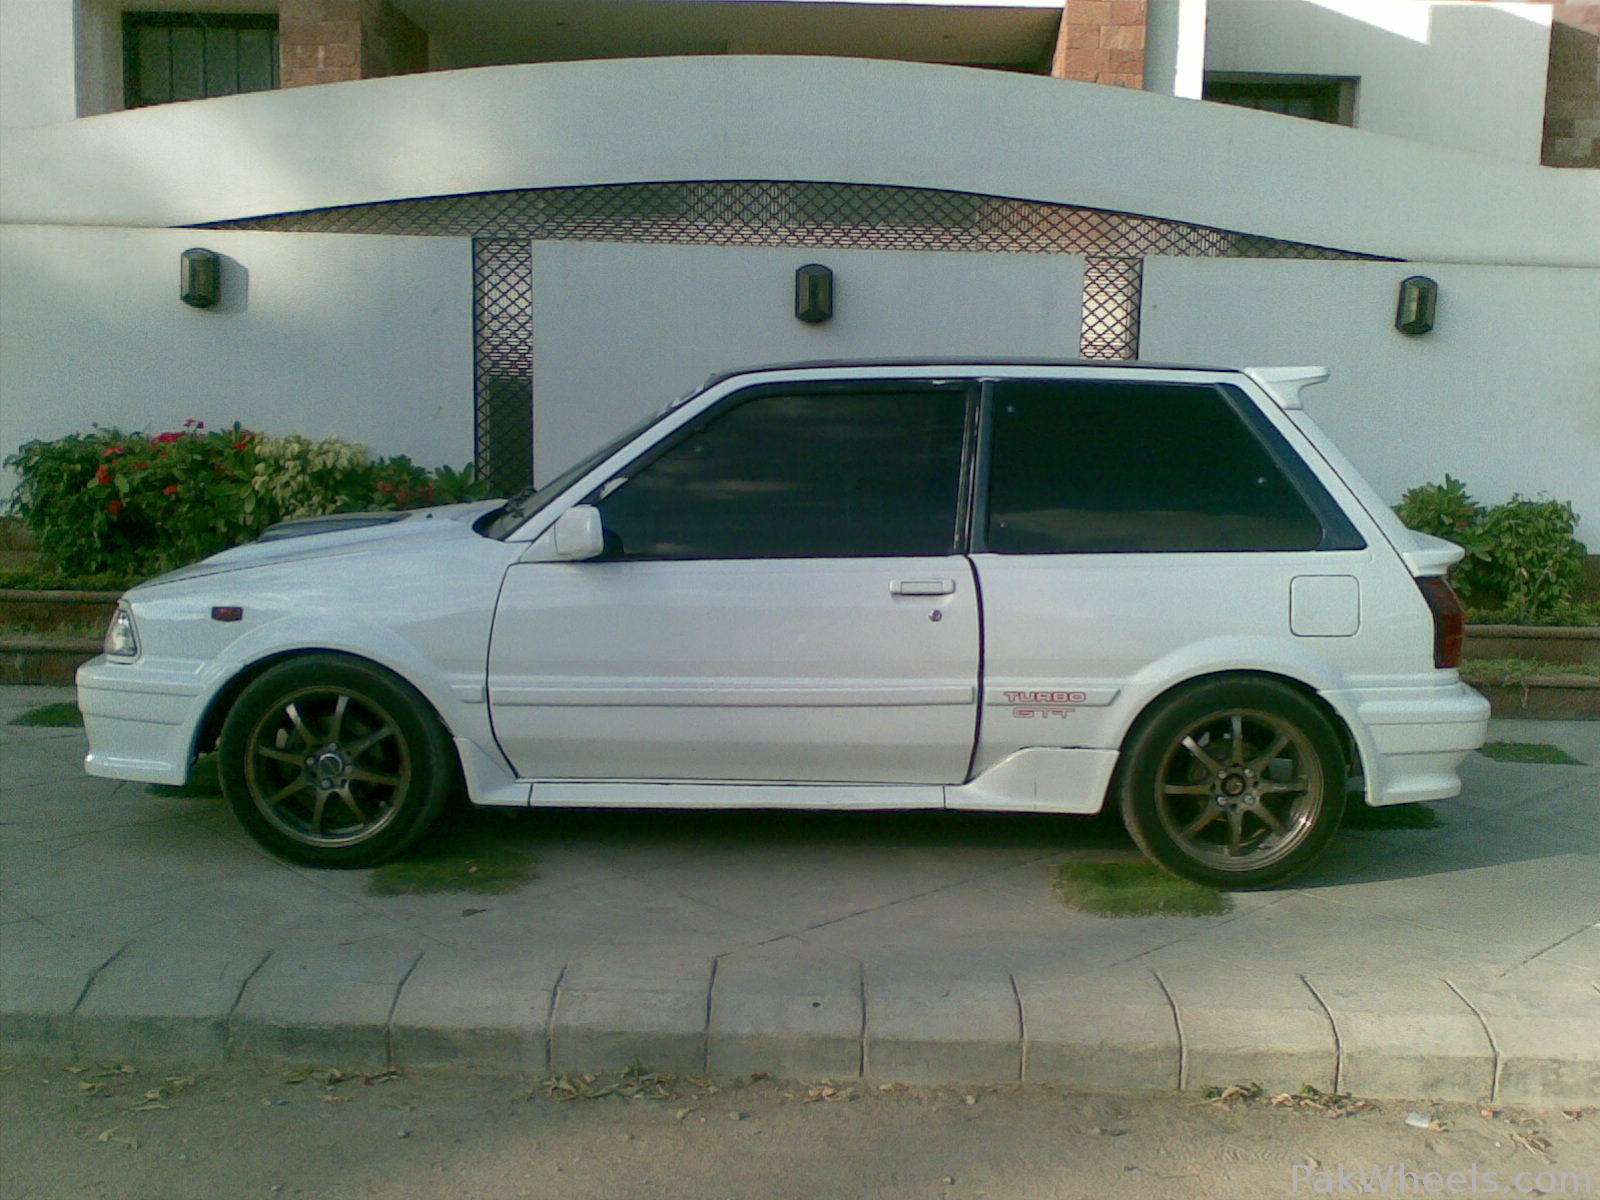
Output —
(333, 762)
(1233, 782)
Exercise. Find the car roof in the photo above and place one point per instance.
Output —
(971, 362)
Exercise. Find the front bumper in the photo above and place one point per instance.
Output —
(141, 722)
(1413, 740)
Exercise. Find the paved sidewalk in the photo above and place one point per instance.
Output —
(1457, 962)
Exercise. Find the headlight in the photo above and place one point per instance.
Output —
(121, 640)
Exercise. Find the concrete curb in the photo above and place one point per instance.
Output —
(1122, 1030)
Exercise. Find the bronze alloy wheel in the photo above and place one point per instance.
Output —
(327, 767)
(1240, 790)
(332, 761)
(1234, 781)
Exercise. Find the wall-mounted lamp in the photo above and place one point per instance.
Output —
(200, 277)
(813, 293)
(1419, 303)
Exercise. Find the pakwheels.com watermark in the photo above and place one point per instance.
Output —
(1397, 1179)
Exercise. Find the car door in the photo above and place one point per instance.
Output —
(783, 597)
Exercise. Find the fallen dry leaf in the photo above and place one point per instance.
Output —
(1534, 1143)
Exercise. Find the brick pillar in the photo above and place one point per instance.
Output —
(1101, 41)
(332, 41)
(1572, 99)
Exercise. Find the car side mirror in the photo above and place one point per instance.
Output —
(576, 535)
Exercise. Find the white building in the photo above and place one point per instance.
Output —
(498, 229)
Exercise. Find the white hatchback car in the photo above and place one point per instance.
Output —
(1034, 587)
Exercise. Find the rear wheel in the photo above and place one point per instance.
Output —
(333, 762)
(1236, 783)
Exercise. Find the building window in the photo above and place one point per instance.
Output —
(190, 56)
(1316, 97)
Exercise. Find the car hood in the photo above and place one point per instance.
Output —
(335, 536)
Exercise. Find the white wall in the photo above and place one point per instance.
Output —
(844, 120)
(1175, 47)
(37, 62)
(366, 337)
(620, 330)
(1467, 75)
(1504, 394)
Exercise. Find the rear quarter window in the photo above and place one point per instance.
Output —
(1110, 467)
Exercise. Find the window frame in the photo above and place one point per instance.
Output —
(1338, 531)
(961, 524)
(133, 20)
(1334, 95)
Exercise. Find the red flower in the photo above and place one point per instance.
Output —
(114, 507)
(103, 476)
(171, 489)
(164, 439)
(112, 451)
(242, 445)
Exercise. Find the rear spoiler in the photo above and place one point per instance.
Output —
(1284, 384)
(1429, 555)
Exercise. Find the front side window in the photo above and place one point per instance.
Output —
(853, 472)
(1105, 467)
(195, 55)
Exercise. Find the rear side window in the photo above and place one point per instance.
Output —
(1111, 467)
(868, 471)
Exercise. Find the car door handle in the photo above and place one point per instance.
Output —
(922, 587)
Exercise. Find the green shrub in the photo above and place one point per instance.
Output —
(1532, 559)
(133, 504)
(1446, 510)
(1523, 559)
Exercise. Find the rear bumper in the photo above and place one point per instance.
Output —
(1413, 740)
(140, 723)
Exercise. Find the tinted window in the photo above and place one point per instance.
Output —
(781, 474)
(1110, 467)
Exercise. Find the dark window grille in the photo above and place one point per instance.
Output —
(502, 319)
(171, 56)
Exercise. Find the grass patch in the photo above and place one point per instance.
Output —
(203, 782)
(1134, 889)
(59, 715)
(457, 862)
(1529, 752)
(1512, 671)
(1359, 815)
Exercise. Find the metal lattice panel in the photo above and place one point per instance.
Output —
(502, 318)
(774, 213)
(1112, 288)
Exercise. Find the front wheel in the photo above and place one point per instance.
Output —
(1236, 783)
(333, 762)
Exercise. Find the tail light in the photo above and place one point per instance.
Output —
(1449, 619)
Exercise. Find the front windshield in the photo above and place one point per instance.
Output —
(528, 502)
